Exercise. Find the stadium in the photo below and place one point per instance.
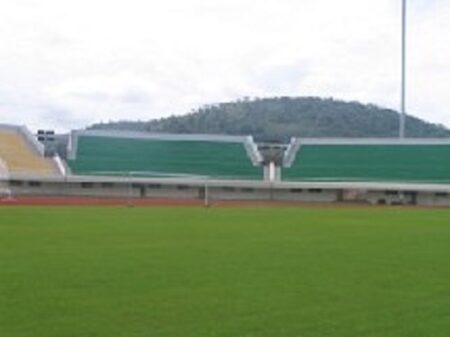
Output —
(318, 237)
(217, 223)
(210, 169)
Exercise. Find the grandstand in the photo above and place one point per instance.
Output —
(161, 155)
(369, 160)
(110, 164)
(21, 154)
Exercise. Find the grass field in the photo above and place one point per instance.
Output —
(127, 272)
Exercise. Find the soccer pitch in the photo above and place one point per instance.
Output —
(128, 272)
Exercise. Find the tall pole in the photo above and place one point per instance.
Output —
(403, 84)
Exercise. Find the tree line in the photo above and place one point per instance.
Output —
(280, 118)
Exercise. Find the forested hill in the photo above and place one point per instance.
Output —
(279, 119)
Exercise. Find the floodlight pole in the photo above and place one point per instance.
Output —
(403, 79)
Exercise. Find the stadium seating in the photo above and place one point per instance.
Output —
(413, 161)
(105, 153)
(19, 156)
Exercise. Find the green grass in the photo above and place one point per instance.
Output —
(113, 272)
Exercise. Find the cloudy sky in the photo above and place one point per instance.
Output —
(65, 64)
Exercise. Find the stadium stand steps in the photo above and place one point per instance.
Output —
(413, 162)
(20, 157)
(162, 157)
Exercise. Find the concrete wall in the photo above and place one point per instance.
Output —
(238, 193)
(306, 195)
(161, 190)
(433, 199)
(4, 189)
(221, 191)
(390, 198)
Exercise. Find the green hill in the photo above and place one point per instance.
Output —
(279, 119)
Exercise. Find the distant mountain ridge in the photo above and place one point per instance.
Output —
(278, 119)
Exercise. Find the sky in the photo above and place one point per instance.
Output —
(67, 64)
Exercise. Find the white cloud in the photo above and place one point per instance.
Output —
(66, 64)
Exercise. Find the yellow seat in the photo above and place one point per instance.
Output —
(19, 157)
